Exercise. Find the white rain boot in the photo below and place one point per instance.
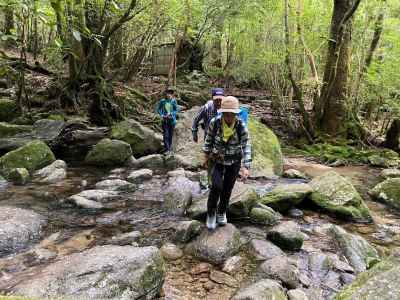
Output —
(211, 221)
(221, 219)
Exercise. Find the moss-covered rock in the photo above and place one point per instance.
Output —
(286, 235)
(19, 176)
(390, 173)
(143, 140)
(384, 158)
(8, 110)
(32, 156)
(380, 282)
(267, 153)
(337, 195)
(109, 153)
(388, 192)
(285, 196)
(264, 215)
(7, 130)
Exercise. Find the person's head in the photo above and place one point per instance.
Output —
(217, 95)
(229, 109)
(170, 93)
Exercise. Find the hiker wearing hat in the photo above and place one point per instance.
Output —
(207, 112)
(227, 146)
(167, 108)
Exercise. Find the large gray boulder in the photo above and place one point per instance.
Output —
(264, 215)
(356, 249)
(264, 250)
(19, 228)
(390, 173)
(337, 195)
(264, 289)
(388, 192)
(109, 153)
(381, 282)
(283, 269)
(103, 272)
(142, 139)
(216, 246)
(178, 194)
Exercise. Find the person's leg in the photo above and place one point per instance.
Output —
(230, 176)
(215, 192)
(165, 135)
(171, 135)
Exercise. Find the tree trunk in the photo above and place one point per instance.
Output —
(393, 135)
(330, 109)
(8, 20)
(117, 49)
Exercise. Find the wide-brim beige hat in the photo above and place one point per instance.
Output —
(229, 104)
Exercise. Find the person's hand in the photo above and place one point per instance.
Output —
(195, 136)
(244, 173)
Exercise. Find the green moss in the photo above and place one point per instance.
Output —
(32, 156)
(388, 192)
(109, 153)
(8, 110)
(263, 216)
(7, 130)
(267, 153)
(56, 117)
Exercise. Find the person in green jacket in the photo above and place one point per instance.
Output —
(168, 108)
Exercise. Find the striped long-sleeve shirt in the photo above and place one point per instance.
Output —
(237, 148)
(206, 113)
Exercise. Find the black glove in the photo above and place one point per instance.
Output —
(195, 137)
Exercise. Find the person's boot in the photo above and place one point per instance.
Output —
(211, 221)
(221, 219)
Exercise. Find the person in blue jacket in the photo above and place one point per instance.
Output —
(167, 108)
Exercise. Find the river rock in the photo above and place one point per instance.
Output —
(171, 252)
(142, 139)
(337, 195)
(115, 185)
(286, 235)
(8, 130)
(223, 278)
(216, 246)
(8, 109)
(187, 230)
(380, 282)
(233, 264)
(119, 273)
(264, 250)
(264, 215)
(19, 228)
(388, 192)
(19, 176)
(297, 294)
(109, 153)
(264, 289)
(178, 194)
(177, 173)
(285, 196)
(124, 239)
(54, 172)
(100, 195)
(283, 269)
(390, 173)
(294, 174)
(140, 175)
(355, 248)
(32, 156)
(84, 203)
(386, 158)
(295, 213)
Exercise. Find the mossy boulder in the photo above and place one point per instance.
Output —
(267, 153)
(264, 215)
(337, 195)
(380, 282)
(8, 130)
(33, 156)
(285, 196)
(287, 236)
(388, 192)
(142, 139)
(385, 158)
(390, 173)
(109, 153)
(19, 176)
(8, 110)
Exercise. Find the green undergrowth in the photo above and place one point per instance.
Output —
(346, 154)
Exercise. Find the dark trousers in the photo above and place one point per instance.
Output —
(223, 179)
(168, 133)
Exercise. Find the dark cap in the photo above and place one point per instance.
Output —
(217, 92)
